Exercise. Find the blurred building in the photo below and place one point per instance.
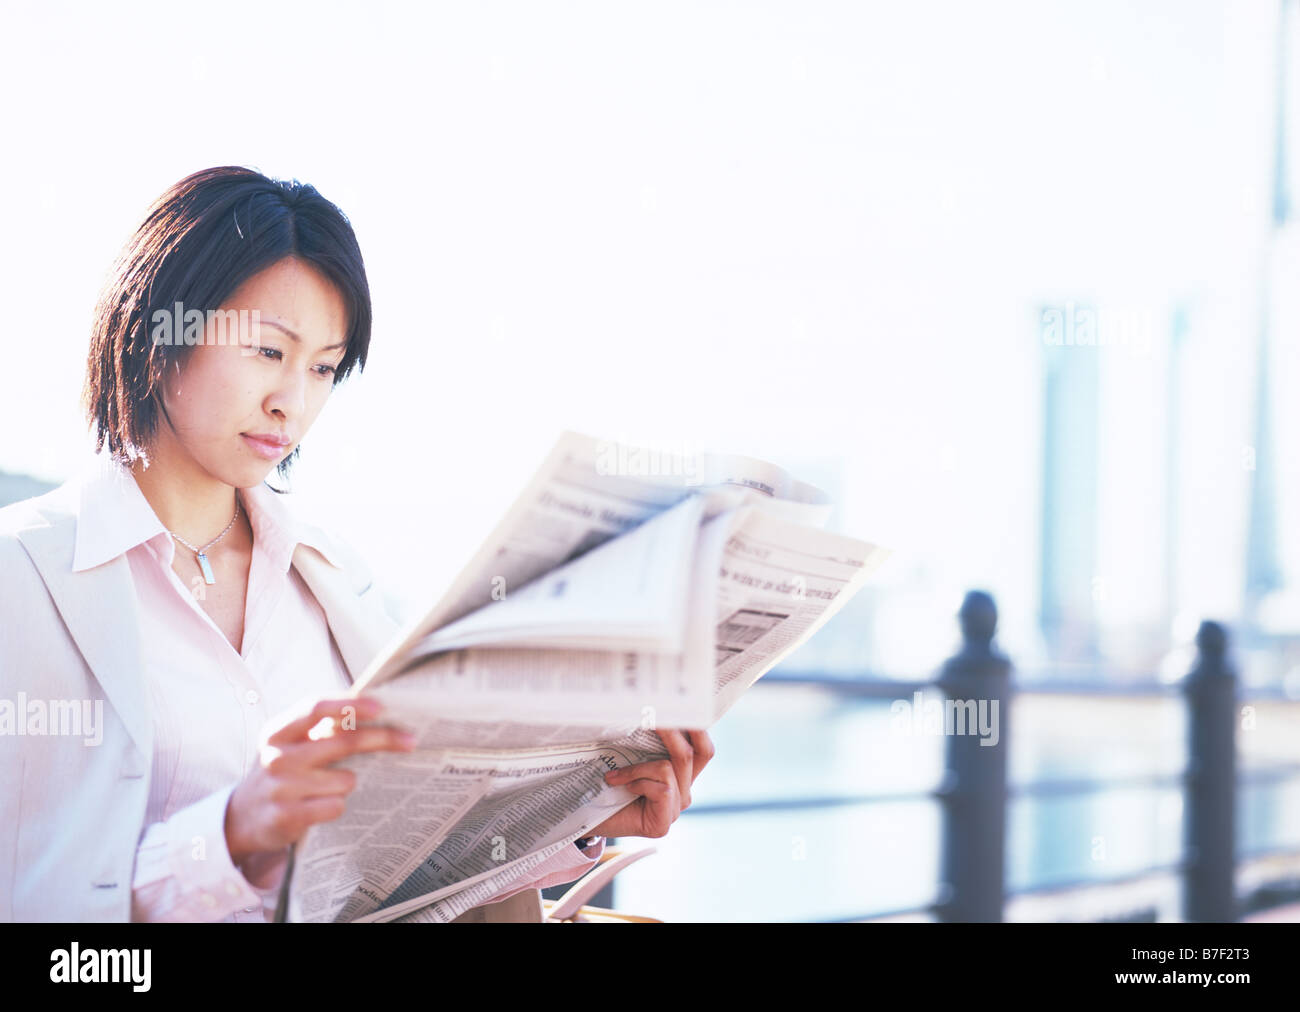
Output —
(1068, 590)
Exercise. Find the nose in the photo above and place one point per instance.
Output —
(289, 399)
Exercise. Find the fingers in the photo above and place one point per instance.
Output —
(315, 810)
(340, 745)
(356, 707)
(682, 756)
(662, 786)
(294, 786)
(314, 783)
(704, 749)
(690, 750)
(294, 821)
(329, 730)
(656, 784)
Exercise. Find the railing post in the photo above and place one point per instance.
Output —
(1209, 892)
(976, 685)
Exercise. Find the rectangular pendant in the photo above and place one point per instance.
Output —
(207, 570)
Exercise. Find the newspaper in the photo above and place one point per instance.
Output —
(614, 598)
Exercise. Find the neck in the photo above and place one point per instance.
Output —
(189, 501)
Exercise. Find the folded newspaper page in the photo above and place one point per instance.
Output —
(608, 602)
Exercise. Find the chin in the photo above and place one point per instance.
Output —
(262, 472)
(254, 482)
(246, 473)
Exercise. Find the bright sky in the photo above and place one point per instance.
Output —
(817, 234)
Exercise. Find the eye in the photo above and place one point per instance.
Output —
(330, 370)
(273, 351)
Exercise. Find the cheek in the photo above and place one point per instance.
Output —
(212, 390)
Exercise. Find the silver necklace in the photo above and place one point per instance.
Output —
(203, 559)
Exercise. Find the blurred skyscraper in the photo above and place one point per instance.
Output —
(1068, 613)
(1265, 556)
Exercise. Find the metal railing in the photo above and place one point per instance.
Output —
(974, 793)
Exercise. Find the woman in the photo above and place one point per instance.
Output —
(174, 632)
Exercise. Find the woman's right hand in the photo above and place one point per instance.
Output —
(292, 787)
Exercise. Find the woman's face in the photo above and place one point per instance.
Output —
(271, 385)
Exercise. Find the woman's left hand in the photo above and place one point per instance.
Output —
(664, 786)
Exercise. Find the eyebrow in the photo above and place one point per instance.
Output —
(280, 326)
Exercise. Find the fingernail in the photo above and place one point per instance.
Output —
(407, 740)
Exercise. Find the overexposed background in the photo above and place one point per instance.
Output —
(816, 234)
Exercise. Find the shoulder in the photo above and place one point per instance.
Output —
(21, 583)
(34, 535)
(49, 519)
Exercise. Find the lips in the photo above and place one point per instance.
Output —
(269, 446)
(270, 438)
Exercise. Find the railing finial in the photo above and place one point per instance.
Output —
(979, 618)
(1211, 640)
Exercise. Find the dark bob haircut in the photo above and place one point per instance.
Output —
(198, 242)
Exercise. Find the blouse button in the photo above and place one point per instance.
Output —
(252, 697)
(209, 900)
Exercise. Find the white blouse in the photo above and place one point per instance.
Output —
(211, 703)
